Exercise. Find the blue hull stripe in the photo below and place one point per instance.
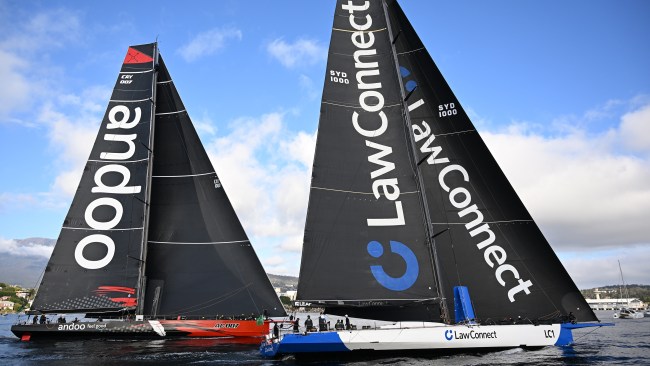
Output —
(310, 342)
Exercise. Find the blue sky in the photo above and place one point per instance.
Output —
(559, 90)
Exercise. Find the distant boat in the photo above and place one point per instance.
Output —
(409, 213)
(625, 312)
(151, 242)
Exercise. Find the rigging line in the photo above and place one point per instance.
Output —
(136, 72)
(128, 101)
(344, 191)
(204, 243)
(183, 176)
(91, 229)
(355, 31)
(117, 161)
(165, 113)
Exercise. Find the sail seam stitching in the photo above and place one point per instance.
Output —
(352, 106)
(160, 114)
(86, 228)
(212, 242)
(487, 222)
(406, 52)
(129, 101)
(354, 31)
(344, 191)
(117, 161)
(136, 72)
(181, 176)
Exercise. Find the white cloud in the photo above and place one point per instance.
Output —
(601, 268)
(299, 53)
(16, 88)
(207, 43)
(9, 246)
(580, 190)
(634, 129)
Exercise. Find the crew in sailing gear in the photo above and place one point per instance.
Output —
(296, 325)
(35, 320)
(43, 319)
(322, 323)
(347, 322)
(309, 324)
(276, 331)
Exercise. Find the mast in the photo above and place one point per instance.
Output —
(419, 181)
(142, 280)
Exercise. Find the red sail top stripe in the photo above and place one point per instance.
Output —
(134, 56)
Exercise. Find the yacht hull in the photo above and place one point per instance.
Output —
(443, 337)
(235, 329)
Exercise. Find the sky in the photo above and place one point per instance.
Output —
(560, 92)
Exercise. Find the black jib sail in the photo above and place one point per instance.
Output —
(479, 233)
(150, 214)
(96, 261)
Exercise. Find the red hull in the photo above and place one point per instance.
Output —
(216, 328)
(227, 331)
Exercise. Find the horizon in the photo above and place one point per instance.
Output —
(559, 92)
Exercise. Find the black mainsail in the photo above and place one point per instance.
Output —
(463, 223)
(96, 262)
(151, 214)
(199, 259)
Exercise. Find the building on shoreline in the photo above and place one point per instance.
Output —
(614, 304)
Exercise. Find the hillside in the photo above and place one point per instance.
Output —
(612, 292)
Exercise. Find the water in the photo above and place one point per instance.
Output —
(627, 343)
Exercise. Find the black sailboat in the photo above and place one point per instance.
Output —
(408, 209)
(151, 233)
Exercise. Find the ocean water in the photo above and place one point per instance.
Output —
(627, 343)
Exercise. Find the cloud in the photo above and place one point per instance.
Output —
(207, 43)
(601, 268)
(299, 53)
(8, 246)
(23, 47)
(16, 88)
(634, 129)
(580, 189)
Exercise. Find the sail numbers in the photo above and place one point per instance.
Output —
(448, 109)
(340, 77)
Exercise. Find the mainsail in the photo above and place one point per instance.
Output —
(199, 259)
(151, 214)
(96, 262)
(462, 224)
